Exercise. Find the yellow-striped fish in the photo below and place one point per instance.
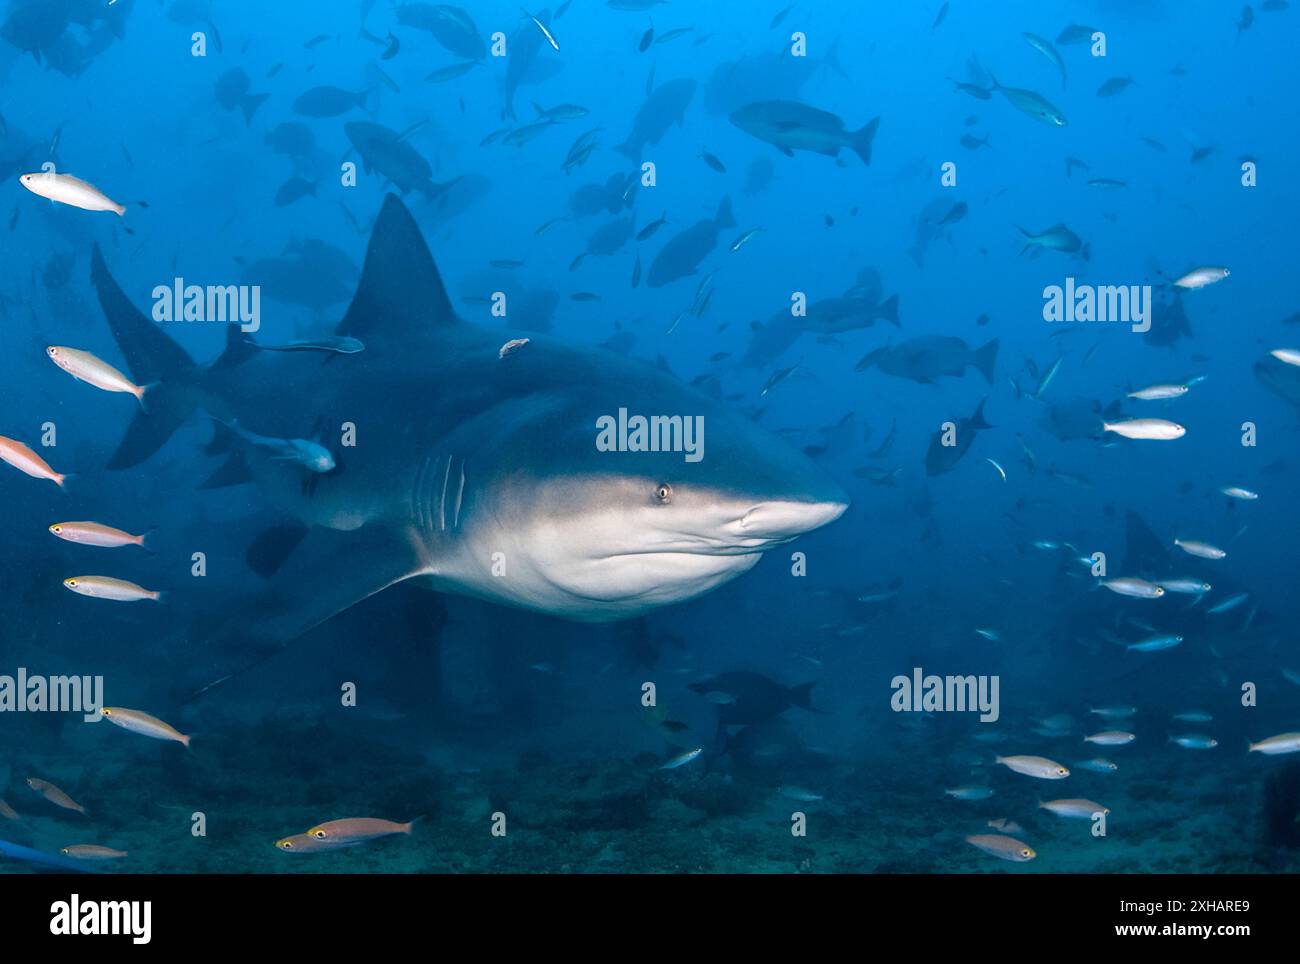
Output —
(106, 587)
(97, 534)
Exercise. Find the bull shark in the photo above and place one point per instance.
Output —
(473, 468)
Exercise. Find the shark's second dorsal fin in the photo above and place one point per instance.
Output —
(401, 292)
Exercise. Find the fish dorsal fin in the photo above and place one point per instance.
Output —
(401, 292)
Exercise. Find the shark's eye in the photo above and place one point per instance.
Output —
(664, 493)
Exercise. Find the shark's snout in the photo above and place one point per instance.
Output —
(787, 519)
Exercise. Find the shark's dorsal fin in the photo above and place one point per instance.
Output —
(239, 348)
(401, 292)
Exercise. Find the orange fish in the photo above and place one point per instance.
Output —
(86, 851)
(357, 829)
(25, 460)
(53, 794)
(302, 843)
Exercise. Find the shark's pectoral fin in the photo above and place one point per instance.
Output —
(233, 471)
(329, 571)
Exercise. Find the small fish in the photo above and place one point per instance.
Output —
(943, 12)
(1155, 644)
(1134, 587)
(85, 367)
(1193, 716)
(970, 793)
(1153, 429)
(554, 221)
(647, 39)
(1202, 550)
(92, 852)
(97, 534)
(682, 759)
(1110, 738)
(25, 460)
(645, 233)
(1200, 277)
(312, 456)
(777, 377)
(972, 143)
(1232, 602)
(358, 829)
(8, 812)
(671, 35)
(1114, 712)
(444, 74)
(1274, 745)
(992, 635)
(1048, 51)
(1005, 825)
(545, 33)
(305, 844)
(1187, 587)
(1075, 33)
(799, 794)
(740, 241)
(1076, 809)
(979, 93)
(72, 191)
(142, 723)
(1159, 392)
(713, 162)
(339, 344)
(512, 346)
(1106, 182)
(1114, 86)
(53, 794)
(106, 587)
(1098, 765)
(1034, 766)
(719, 698)
(1001, 471)
(584, 296)
(1195, 741)
(1290, 356)
(1005, 848)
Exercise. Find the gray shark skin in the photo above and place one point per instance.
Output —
(1281, 379)
(475, 472)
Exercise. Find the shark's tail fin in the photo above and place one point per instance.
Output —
(154, 359)
(889, 310)
(985, 358)
(861, 140)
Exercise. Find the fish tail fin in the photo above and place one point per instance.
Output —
(985, 358)
(725, 218)
(146, 540)
(153, 359)
(889, 310)
(861, 140)
(119, 209)
(185, 740)
(977, 420)
(161, 596)
(68, 483)
(142, 395)
(250, 104)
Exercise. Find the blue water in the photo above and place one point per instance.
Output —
(521, 739)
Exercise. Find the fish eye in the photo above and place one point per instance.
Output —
(56, 529)
(64, 851)
(1062, 771)
(319, 834)
(1026, 853)
(286, 844)
(664, 493)
(107, 712)
(1160, 590)
(71, 582)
